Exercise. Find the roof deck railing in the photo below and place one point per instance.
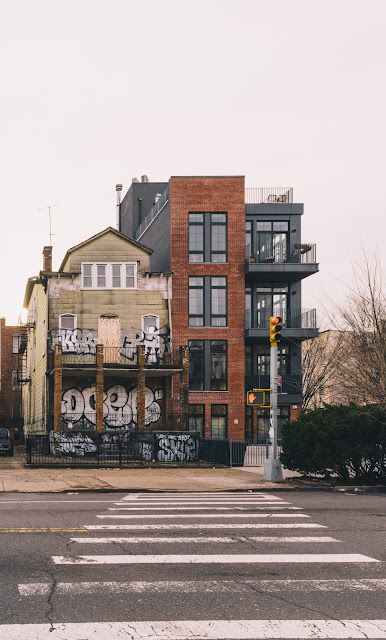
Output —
(271, 195)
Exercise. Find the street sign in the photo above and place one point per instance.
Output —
(257, 398)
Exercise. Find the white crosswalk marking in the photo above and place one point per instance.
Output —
(200, 630)
(223, 525)
(210, 515)
(207, 539)
(216, 559)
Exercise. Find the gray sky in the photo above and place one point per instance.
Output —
(95, 92)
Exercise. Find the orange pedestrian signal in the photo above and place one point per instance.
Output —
(257, 398)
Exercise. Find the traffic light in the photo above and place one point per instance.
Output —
(275, 327)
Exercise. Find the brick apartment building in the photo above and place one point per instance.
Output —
(10, 389)
(237, 258)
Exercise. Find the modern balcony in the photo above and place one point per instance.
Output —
(269, 195)
(297, 323)
(281, 260)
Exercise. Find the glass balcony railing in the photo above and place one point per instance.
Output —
(281, 252)
(292, 318)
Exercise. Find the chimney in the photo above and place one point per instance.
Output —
(134, 180)
(144, 178)
(118, 189)
(47, 258)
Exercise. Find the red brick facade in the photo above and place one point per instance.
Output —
(212, 194)
(10, 394)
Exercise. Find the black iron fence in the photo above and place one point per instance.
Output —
(133, 448)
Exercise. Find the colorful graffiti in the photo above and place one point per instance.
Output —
(119, 406)
(84, 341)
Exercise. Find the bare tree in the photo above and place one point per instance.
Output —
(361, 321)
(321, 357)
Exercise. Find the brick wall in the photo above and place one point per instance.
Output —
(211, 194)
(10, 399)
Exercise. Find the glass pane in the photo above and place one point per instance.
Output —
(196, 217)
(87, 269)
(218, 427)
(219, 217)
(116, 271)
(101, 275)
(263, 226)
(218, 238)
(196, 301)
(196, 237)
(218, 371)
(196, 257)
(196, 282)
(219, 282)
(67, 322)
(196, 365)
(280, 226)
(219, 257)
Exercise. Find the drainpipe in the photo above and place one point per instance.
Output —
(118, 189)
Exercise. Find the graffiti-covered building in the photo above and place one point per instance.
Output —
(96, 351)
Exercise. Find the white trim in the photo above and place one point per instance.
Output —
(109, 275)
(68, 315)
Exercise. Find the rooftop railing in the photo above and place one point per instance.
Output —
(272, 195)
(281, 252)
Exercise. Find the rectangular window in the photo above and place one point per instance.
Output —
(101, 276)
(109, 276)
(207, 301)
(116, 273)
(196, 302)
(196, 418)
(208, 237)
(15, 344)
(15, 380)
(218, 365)
(219, 421)
(87, 276)
(208, 365)
(67, 321)
(196, 365)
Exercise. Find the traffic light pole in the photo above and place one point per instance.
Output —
(272, 468)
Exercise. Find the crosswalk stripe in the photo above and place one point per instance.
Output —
(200, 630)
(211, 508)
(201, 586)
(217, 558)
(224, 525)
(201, 540)
(208, 502)
(210, 515)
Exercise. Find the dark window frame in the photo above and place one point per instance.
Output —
(216, 413)
(208, 223)
(194, 414)
(202, 356)
(208, 317)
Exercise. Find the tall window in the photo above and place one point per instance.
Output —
(219, 421)
(208, 365)
(15, 344)
(263, 359)
(109, 275)
(196, 418)
(272, 241)
(208, 237)
(263, 421)
(271, 300)
(207, 301)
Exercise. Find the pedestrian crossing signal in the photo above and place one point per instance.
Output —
(275, 327)
(257, 398)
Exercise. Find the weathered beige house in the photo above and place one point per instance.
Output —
(96, 350)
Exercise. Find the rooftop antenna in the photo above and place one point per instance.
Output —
(51, 206)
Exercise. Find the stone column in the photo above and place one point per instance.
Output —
(141, 388)
(184, 386)
(58, 388)
(99, 388)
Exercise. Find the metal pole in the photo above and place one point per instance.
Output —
(272, 468)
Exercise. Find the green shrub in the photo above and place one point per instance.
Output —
(346, 440)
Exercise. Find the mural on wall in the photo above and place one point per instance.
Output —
(84, 341)
(119, 406)
(72, 444)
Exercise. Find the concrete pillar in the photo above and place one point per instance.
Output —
(184, 386)
(58, 388)
(99, 388)
(141, 388)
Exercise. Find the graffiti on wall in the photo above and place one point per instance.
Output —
(119, 406)
(71, 444)
(84, 341)
(179, 447)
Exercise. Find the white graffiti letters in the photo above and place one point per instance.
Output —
(179, 447)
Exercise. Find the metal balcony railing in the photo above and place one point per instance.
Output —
(70, 358)
(282, 195)
(281, 252)
(288, 383)
(292, 318)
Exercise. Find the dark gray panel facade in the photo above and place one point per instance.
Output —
(137, 203)
(157, 237)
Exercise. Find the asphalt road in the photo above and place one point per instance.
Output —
(251, 562)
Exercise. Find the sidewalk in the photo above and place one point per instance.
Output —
(26, 480)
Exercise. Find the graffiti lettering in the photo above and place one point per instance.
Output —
(176, 447)
(119, 406)
(84, 342)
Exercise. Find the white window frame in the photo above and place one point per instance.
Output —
(68, 315)
(109, 275)
(16, 341)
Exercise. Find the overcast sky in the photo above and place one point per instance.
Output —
(95, 92)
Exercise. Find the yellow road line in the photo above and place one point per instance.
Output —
(43, 530)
